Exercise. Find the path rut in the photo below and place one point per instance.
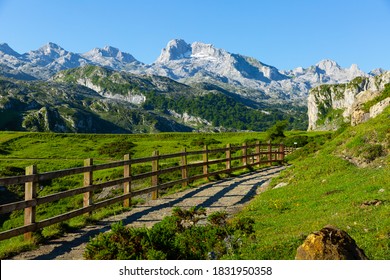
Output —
(228, 195)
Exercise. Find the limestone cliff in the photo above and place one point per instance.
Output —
(329, 106)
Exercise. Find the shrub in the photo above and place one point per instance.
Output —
(300, 140)
(276, 132)
(200, 142)
(372, 152)
(116, 149)
(176, 237)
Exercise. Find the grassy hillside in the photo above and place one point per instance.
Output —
(340, 184)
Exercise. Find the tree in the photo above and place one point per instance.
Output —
(276, 132)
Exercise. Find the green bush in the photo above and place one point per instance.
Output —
(202, 141)
(176, 237)
(116, 149)
(300, 140)
(276, 132)
(371, 152)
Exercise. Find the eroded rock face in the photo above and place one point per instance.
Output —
(331, 105)
(330, 243)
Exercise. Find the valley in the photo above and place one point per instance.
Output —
(106, 90)
(58, 108)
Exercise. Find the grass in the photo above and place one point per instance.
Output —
(317, 196)
(50, 151)
(324, 188)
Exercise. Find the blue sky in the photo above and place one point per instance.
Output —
(282, 33)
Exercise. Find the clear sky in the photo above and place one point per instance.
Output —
(282, 33)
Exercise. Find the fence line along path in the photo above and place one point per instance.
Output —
(163, 171)
(228, 195)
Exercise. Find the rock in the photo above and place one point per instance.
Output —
(280, 185)
(330, 243)
(374, 202)
(379, 107)
(359, 116)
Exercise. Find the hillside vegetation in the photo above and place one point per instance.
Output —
(94, 99)
(345, 182)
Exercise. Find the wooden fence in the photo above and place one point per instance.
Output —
(251, 155)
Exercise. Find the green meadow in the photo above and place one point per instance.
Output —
(322, 186)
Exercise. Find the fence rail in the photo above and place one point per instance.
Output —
(251, 155)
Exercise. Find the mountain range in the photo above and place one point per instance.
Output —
(95, 99)
(190, 87)
(187, 63)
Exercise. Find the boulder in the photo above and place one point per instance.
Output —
(330, 243)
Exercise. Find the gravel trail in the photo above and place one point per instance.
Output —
(229, 195)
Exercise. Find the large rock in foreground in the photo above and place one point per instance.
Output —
(330, 243)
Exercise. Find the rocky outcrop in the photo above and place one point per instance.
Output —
(378, 108)
(329, 106)
(188, 119)
(330, 243)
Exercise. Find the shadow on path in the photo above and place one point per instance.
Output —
(84, 235)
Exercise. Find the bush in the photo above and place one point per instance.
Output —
(116, 149)
(276, 132)
(300, 140)
(176, 237)
(200, 142)
(372, 152)
(8, 171)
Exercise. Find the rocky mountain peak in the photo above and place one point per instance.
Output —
(109, 52)
(377, 71)
(51, 49)
(327, 65)
(176, 49)
(202, 50)
(45, 54)
(6, 49)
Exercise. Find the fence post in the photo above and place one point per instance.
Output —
(244, 154)
(228, 158)
(257, 152)
(155, 177)
(88, 181)
(184, 169)
(127, 185)
(30, 193)
(205, 161)
(269, 153)
(281, 152)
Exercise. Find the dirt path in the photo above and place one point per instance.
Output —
(228, 195)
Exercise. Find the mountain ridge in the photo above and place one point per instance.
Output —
(100, 100)
(190, 64)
